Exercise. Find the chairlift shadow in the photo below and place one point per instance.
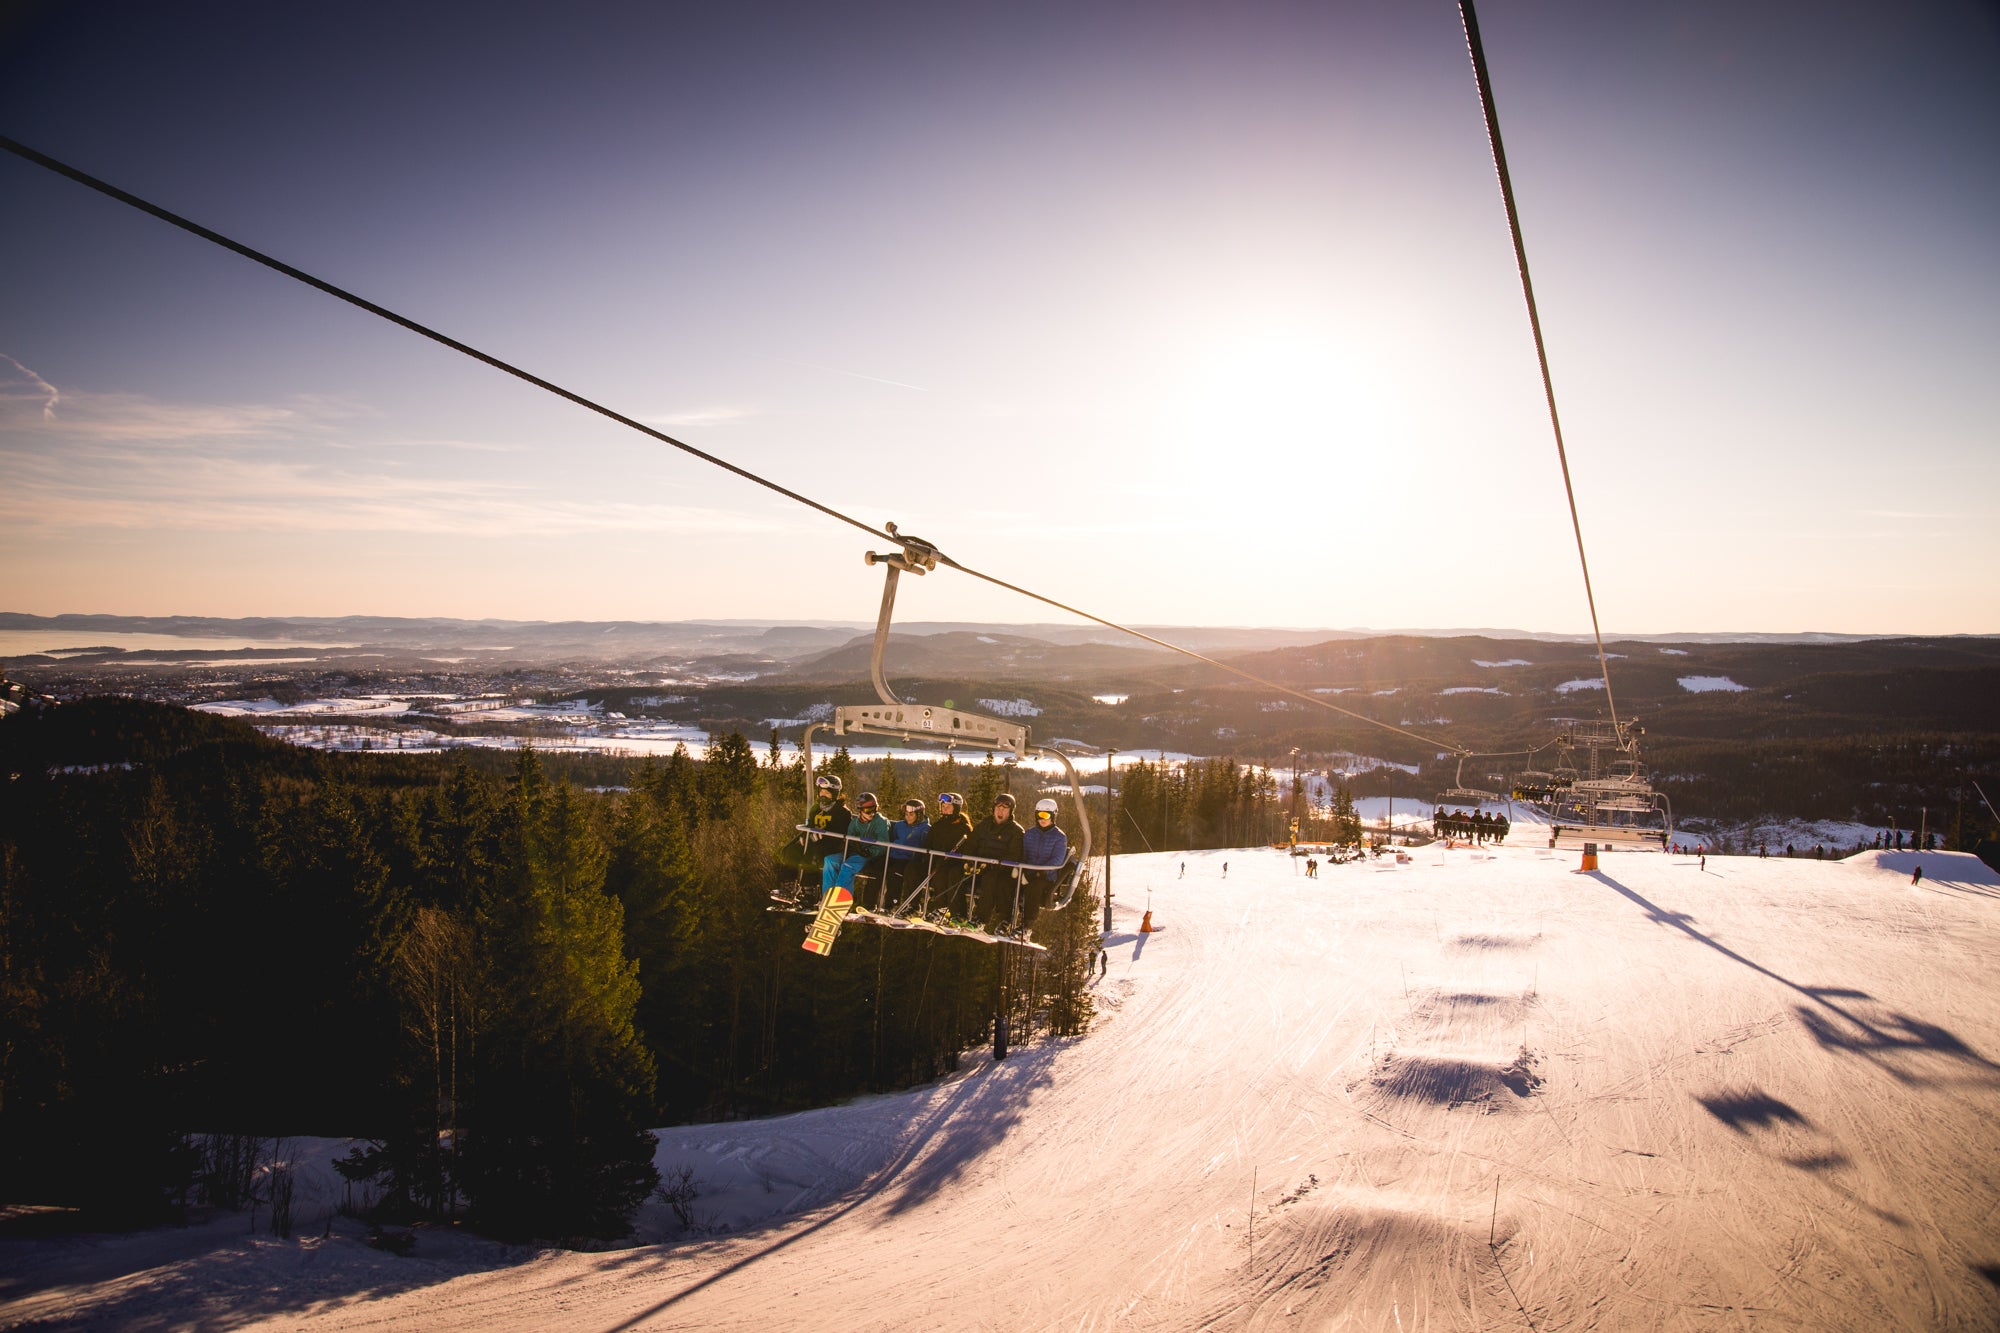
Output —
(978, 1109)
(1834, 1026)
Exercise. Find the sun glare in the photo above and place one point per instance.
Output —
(1280, 403)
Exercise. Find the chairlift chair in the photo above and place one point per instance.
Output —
(1611, 801)
(897, 719)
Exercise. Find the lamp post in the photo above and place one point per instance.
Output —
(1295, 796)
(1109, 833)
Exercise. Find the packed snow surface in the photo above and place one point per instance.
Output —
(1710, 684)
(1588, 683)
(1475, 1090)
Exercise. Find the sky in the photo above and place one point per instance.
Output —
(1185, 314)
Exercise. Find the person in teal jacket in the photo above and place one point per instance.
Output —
(868, 835)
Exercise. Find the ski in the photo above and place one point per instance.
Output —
(856, 915)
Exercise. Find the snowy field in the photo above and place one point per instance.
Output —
(1474, 1091)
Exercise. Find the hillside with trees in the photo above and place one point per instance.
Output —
(495, 976)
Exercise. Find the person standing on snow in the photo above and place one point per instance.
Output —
(1042, 845)
(998, 839)
(950, 831)
(908, 835)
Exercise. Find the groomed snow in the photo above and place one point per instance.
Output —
(1476, 1090)
(1572, 686)
(1710, 684)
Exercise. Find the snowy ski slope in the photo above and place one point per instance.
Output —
(1472, 1091)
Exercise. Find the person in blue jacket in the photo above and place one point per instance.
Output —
(1042, 845)
(907, 836)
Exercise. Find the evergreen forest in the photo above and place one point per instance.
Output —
(493, 976)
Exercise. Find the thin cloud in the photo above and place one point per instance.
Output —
(210, 493)
(129, 463)
(709, 416)
(134, 418)
(852, 374)
(51, 394)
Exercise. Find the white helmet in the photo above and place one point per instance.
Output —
(1045, 805)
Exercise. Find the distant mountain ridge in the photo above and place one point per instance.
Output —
(788, 641)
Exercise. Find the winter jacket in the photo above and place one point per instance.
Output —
(832, 821)
(1044, 846)
(875, 830)
(1000, 841)
(949, 833)
(908, 837)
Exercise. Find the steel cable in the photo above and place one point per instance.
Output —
(1535, 322)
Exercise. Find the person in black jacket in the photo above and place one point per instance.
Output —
(830, 820)
(950, 831)
(998, 838)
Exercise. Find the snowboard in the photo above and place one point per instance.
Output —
(825, 927)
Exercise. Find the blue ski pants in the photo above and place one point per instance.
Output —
(840, 870)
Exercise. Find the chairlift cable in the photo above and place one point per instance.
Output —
(166, 215)
(1478, 53)
(362, 302)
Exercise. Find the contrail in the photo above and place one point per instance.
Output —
(54, 394)
(855, 374)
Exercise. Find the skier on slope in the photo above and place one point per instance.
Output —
(1042, 845)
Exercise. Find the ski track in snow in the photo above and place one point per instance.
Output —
(1760, 1094)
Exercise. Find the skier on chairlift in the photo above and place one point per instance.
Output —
(998, 839)
(869, 834)
(949, 832)
(909, 835)
(1043, 845)
(830, 821)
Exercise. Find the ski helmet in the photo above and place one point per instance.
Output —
(913, 806)
(1045, 806)
(1005, 798)
(865, 801)
(829, 783)
(950, 798)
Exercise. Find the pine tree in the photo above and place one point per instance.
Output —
(556, 1144)
(986, 780)
(729, 774)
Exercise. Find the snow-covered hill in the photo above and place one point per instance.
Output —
(1476, 1090)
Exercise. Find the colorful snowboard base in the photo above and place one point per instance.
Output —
(825, 927)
